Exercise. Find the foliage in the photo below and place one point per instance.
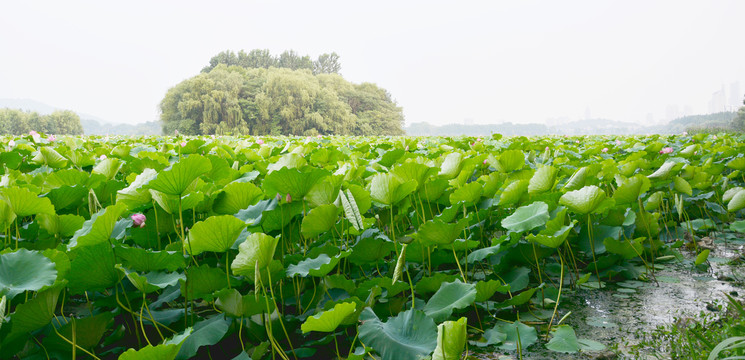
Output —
(284, 247)
(257, 94)
(17, 122)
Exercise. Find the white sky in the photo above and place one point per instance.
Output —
(443, 61)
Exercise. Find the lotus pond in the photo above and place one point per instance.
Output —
(352, 247)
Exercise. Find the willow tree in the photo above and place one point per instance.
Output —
(238, 100)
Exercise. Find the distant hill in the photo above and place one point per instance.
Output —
(92, 125)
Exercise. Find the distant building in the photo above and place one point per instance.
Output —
(735, 96)
(718, 102)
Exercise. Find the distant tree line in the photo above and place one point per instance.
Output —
(258, 58)
(247, 94)
(739, 121)
(17, 122)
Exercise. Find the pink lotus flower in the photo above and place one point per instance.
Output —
(175, 132)
(260, 142)
(183, 144)
(51, 138)
(666, 150)
(484, 161)
(546, 148)
(685, 133)
(138, 220)
(407, 148)
(577, 141)
(713, 137)
(11, 143)
(288, 198)
(605, 150)
(479, 140)
(618, 142)
(35, 135)
(103, 157)
(319, 136)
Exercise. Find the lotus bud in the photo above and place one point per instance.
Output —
(102, 157)
(479, 140)
(138, 220)
(288, 198)
(51, 138)
(260, 142)
(11, 143)
(605, 150)
(685, 133)
(484, 161)
(278, 197)
(175, 132)
(34, 135)
(407, 148)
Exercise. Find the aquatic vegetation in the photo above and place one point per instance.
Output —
(340, 247)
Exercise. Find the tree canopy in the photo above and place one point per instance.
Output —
(17, 122)
(262, 58)
(260, 99)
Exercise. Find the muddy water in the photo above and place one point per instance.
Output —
(620, 314)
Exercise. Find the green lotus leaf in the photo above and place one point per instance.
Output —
(450, 296)
(516, 332)
(6, 214)
(258, 248)
(543, 180)
(738, 226)
(386, 189)
(511, 160)
(146, 260)
(151, 281)
(564, 340)
(351, 210)
(527, 217)
(329, 320)
(322, 193)
(64, 197)
(207, 332)
(88, 332)
(486, 289)
(165, 351)
(369, 250)
(92, 268)
(436, 232)
(701, 257)
(737, 202)
(202, 281)
(737, 163)
(24, 270)
(178, 178)
(664, 171)
(730, 193)
(629, 191)
(410, 335)
(49, 157)
(469, 194)
(288, 161)
(216, 234)
(318, 266)
(451, 166)
(415, 171)
(170, 203)
(319, 220)
(31, 315)
(682, 186)
(451, 340)
(98, 229)
(577, 181)
(513, 192)
(292, 181)
(236, 196)
(583, 201)
(625, 247)
(24, 203)
(108, 167)
(654, 201)
(136, 194)
(236, 305)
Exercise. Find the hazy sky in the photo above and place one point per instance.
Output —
(443, 61)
